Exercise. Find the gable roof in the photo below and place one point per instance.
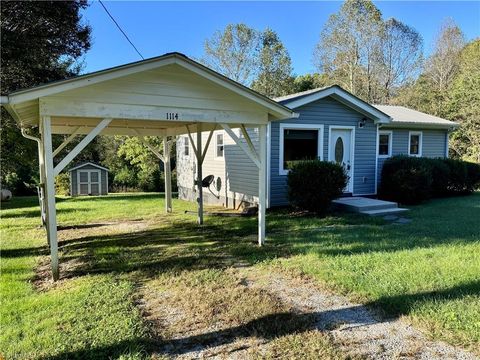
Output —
(28, 98)
(79, 166)
(296, 100)
(405, 117)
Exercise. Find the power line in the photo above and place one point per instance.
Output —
(119, 28)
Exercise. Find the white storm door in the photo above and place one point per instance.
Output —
(341, 152)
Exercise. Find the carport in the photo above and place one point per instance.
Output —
(164, 96)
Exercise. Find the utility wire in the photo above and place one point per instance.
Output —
(119, 28)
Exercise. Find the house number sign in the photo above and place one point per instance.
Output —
(172, 116)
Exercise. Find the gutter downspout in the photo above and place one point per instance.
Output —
(42, 174)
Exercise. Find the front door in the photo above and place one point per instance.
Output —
(341, 152)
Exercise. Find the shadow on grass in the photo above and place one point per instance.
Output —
(267, 327)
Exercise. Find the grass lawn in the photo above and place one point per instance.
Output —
(427, 271)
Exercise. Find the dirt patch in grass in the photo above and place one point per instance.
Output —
(71, 266)
(216, 313)
(80, 231)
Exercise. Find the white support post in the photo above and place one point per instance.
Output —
(168, 175)
(81, 145)
(198, 155)
(50, 194)
(67, 141)
(262, 184)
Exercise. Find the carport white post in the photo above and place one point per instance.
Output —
(260, 160)
(46, 133)
(50, 172)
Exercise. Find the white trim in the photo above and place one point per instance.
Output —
(350, 186)
(420, 142)
(185, 145)
(343, 96)
(447, 135)
(376, 160)
(215, 155)
(88, 163)
(390, 143)
(269, 165)
(295, 126)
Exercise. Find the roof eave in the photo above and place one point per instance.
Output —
(418, 125)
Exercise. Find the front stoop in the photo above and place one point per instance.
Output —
(372, 207)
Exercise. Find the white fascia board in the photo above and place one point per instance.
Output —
(344, 97)
(88, 163)
(421, 126)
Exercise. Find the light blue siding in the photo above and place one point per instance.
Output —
(328, 112)
(434, 144)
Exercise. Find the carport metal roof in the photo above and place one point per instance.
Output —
(162, 96)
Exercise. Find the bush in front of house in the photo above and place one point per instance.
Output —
(411, 180)
(473, 176)
(313, 184)
(407, 180)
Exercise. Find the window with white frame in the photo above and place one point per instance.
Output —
(186, 146)
(299, 142)
(219, 149)
(415, 143)
(384, 144)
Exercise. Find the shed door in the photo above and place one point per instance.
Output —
(89, 182)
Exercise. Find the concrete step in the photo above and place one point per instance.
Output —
(381, 212)
(359, 204)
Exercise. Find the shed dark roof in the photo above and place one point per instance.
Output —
(79, 166)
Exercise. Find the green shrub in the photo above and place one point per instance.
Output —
(62, 184)
(473, 176)
(313, 184)
(457, 180)
(407, 180)
(440, 174)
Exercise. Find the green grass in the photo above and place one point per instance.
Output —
(428, 270)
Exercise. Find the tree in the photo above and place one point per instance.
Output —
(275, 67)
(56, 38)
(349, 46)
(464, 104)
(234, 52)
(402, 48)
(311, 81)
(443, 64)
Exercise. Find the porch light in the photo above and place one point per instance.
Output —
(362, 122)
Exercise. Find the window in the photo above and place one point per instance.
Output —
(384, 144)
(219, 145)
(415, 143)
(299, 142)
(186, 146)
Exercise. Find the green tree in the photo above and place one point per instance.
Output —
(349, 47)
(275, 67)
(464, 104)
(234, 52)
(311, 81)
(41, 41)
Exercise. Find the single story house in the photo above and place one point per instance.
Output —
(88, 179)
(333, 125)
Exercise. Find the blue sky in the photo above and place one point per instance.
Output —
(157, 27)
